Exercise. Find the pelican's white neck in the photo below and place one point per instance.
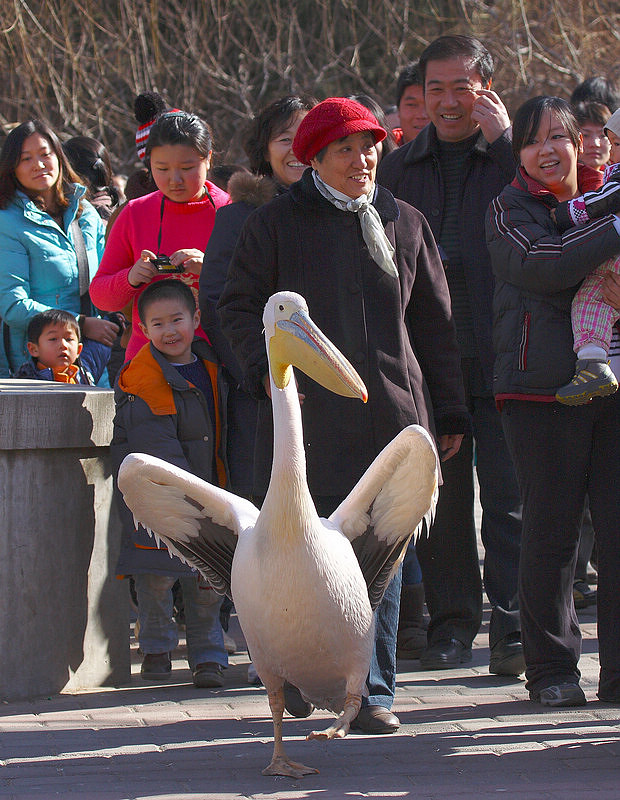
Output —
(288, 486)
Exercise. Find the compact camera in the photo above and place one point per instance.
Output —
(162, 264)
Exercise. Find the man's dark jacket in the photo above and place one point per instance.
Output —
(412, 173)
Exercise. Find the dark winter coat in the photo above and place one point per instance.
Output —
(537, 271)
(394, 331)
(159, 413)
(247, 193)
(412, 173)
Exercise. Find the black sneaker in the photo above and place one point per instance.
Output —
(156, 667)
(593, 378)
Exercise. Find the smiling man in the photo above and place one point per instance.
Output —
(451, 172)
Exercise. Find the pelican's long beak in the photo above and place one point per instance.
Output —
(298, 342)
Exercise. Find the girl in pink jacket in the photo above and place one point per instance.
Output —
(163, 234)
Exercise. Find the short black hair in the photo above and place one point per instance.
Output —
(411, 75)
(222, 173)
(168, 289)
(591, 112)
(446, 47)
(52, 316)
(527, 121)
(599, 90)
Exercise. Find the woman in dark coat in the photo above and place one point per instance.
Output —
(375, 284)
(267, 142)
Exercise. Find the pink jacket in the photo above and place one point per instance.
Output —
(183, 225)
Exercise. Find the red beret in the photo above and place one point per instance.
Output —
(333, 119)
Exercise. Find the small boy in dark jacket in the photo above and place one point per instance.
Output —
(56, 351)
(170, 403)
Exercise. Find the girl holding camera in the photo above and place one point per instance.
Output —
(163, 234)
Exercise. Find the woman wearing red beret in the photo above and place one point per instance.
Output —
(369, 269)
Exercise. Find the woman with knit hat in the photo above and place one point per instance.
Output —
(369, 269)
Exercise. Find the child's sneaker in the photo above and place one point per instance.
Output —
(593, 378)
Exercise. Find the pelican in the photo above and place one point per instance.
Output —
(304, 587)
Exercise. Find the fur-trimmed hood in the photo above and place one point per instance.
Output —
(253, 189)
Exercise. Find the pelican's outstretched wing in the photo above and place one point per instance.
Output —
(390, 502)
(198, 522)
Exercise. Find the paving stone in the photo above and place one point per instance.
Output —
(465, 735)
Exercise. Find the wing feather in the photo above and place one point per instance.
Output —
(394, 500)
(198, 522)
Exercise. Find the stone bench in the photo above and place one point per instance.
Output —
(64, 616)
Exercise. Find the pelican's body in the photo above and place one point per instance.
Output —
(304, 588)
(316, 604)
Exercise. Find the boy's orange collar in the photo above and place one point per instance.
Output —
(68, 374)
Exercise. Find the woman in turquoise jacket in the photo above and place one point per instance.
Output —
(39, 200)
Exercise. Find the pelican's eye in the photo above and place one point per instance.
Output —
(281, 307)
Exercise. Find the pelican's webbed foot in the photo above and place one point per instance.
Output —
(340, 727)
(281, 765)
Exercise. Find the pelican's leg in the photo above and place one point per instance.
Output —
(340, 727)
(280, 762)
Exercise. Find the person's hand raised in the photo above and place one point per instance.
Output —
(491, 114)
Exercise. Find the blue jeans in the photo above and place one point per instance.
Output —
(158, 630)
(381, 680)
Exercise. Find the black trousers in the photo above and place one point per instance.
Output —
(560, 453)
(449, 558)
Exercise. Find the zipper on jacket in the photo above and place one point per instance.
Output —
(525, 336)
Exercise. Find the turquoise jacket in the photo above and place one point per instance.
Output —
(38, 265)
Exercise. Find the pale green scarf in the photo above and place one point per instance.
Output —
(378, 244)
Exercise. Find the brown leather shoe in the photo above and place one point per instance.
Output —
(375, 719)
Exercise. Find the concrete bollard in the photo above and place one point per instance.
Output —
(64, 617)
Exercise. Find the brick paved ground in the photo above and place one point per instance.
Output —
(464, 734)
